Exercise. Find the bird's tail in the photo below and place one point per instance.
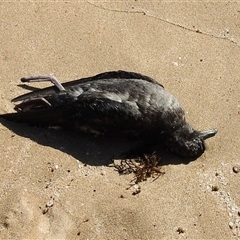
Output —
(42, 118)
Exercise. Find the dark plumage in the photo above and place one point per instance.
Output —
(113, 102)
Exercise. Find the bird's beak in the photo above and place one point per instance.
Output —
(208, 133)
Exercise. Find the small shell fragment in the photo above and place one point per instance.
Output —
(49, 203)
(231, 224)
(236, 169)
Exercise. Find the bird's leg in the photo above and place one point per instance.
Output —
(32, 103)
(42, 78)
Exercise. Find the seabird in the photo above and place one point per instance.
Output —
(116, 102)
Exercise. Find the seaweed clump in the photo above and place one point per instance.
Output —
(142, 167)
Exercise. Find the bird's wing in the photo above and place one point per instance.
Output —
(40, 118)
(93, 114)
(100, 110)
(42, 93)
(107, 113)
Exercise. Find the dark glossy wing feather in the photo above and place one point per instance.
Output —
(41, 118)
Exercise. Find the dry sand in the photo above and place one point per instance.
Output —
(192, 49)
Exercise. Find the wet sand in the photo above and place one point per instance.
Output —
(57, 184)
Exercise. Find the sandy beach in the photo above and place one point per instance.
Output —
(58, 184)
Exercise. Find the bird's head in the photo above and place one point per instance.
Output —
(187, 142)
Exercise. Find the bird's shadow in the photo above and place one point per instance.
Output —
(88, 149)
(27, 87)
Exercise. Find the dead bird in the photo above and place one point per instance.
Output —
(116, 102)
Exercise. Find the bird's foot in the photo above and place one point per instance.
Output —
(42, 78)
(31, 104)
